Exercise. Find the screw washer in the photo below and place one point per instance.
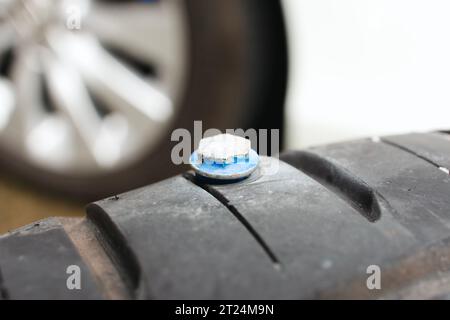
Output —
(224, 157)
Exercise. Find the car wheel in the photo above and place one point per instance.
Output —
(88, 109)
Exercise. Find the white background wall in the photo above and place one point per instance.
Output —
(366, 67)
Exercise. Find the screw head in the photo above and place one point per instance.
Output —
(224, 157)
(223, 148)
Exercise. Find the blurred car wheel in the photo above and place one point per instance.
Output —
(91, 90)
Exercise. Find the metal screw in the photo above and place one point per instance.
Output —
(223, 148)
(224, 157)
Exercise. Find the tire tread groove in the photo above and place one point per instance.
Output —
(224, 201)
(403, 148)
(116, 247)
(339, 181)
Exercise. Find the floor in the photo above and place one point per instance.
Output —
(21, 205)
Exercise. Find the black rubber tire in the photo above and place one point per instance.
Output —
(309, 231)
(237, 79)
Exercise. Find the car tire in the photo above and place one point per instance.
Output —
(324, 225)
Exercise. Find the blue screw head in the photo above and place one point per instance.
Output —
(224, 157)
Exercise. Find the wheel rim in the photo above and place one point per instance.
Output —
(91, 100)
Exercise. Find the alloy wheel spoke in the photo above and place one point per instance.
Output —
(140, 29)
(71, 99)
(112, 81)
